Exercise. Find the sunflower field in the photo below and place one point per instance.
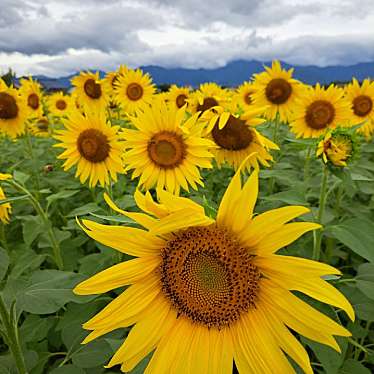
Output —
(198, 231)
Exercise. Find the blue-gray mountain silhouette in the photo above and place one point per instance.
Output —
(235, 72)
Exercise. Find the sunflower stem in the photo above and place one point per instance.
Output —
(44, 216)
(307, 165)
(11, 337)
(321, 210)
(275, 140)
(32, 157)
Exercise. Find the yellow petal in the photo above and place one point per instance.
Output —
(300, 316)
(304, 278)
(284, 236)
(130, 240)
(118, 275)
(179, 220)
(127, 305)
(145, 335)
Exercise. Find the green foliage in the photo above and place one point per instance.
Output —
(50, 316)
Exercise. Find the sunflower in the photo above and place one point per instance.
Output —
(320, 109)
(276, 89)
(205, 293)
(164, 150)
(177, 96)
(337, 147)
(59, 104)
(93, 145)
(3, 85)
(13, 112)
(208, 96)
(30, 90)
(134, 90)
(362, 102)
(235, 137)
(40, 127)
(5, 209)
(112, 76)
(243, 96)
(92, 93)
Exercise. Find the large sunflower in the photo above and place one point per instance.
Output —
(177, 96)
(276, 89)
(93, 145)
(362, 102)
(235, 137)
(205, 293)
(5, 209)
(165, 150)
(92, 93)
(319, 110)
(134, 90)
(13, 112)
(59, 104)
(208, 96)
(30, 90)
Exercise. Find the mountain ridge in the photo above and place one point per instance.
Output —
(235, 72)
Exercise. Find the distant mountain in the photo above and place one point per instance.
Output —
(235, 72)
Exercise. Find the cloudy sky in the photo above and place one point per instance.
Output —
(56, 38)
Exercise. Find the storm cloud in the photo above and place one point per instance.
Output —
(56, 38)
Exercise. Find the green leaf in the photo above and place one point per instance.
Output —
(32, 226)
(93, 354)
(84, 209)
(358, 235)
(27, 260)
(49, 291)
(68, 369)
(20, 177)
(366, 272)
(120, 219)
(366, 287)
(34, 328)
(11, 199)
(363, 306)
(353, 367)
(328, 357)
(289, 197)
(4, 263)
(65, 194)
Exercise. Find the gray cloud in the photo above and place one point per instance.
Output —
(100, 27)
(55, 38)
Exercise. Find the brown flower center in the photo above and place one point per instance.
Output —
(208, 276)
(319, 114)
(134, 91)
(167, 149)
(209, 102)
(362, 105)
(8, 106)
(33, 101)
(92, 89)
(180, 100)
(278, 91)
(248, 98)
(61, 104)
(234, 136)
(42, 124)
(93, 145)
